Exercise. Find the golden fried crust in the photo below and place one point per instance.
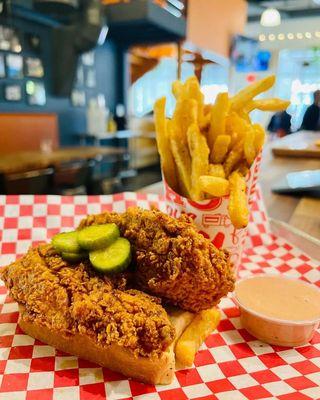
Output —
(172, 259)
(75, 300)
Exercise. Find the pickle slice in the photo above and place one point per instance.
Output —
(97, 237)
(114, 258)
(73, 257)
(66, 242)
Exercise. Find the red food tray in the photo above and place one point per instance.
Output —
(231, 364)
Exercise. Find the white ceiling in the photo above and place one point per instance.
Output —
(291, 4)
(289, 8)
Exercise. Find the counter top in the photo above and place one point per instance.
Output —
(28, 160)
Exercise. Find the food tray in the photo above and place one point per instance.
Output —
(231, 365)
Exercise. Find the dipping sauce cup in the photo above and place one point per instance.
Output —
(277, 309)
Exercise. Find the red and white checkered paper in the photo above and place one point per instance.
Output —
(231, 364)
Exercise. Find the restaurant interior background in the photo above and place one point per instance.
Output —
(79, 79)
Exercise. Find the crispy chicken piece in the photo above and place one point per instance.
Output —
(73, 299)
(173, 261)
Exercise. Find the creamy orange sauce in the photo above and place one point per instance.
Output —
(279, 297)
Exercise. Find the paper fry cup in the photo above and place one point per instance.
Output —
(211, 216)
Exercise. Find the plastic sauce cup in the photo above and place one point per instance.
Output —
(274, 329)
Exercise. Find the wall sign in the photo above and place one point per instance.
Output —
(88, 58)
(9, 40)
(36, 93)
(91, 80)
(14, 64)
(34, 67)
(78, 98)
(13, 92)
(2, 67)
(80, 76)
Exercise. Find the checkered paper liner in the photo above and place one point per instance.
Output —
(231, 364)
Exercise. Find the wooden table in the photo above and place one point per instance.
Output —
(300, 144)
(25, 161)
(300, 212)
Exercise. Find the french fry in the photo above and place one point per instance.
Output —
(207, 149)
(244, 115)
(194, 92)
(195, 334)
(182, 160)
(177, 89)
(220, 148)
(238, 208)
(205, 120)
(180, 319)
(249, 146)
(217, 170)
(199, 152)
(234, 156)
(219, 113)
(242, 98)
(185, 114)
(260, 137)
(167, 161)
(268, 105)
(216, 187)
(242, 168)
(207, 109)
(236, 127)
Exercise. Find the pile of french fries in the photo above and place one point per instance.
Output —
(206, 150)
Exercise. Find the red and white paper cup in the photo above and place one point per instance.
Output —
(211, 216)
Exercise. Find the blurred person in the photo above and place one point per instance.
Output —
(120, 117)
(280, 124)
(311, 118)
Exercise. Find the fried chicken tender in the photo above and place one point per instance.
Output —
(172, 260)
(74, 299)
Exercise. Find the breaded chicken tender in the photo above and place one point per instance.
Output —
(172, 260)
(73, 299)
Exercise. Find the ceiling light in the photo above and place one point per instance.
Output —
(103, 35)
(262, 38)
(317, 34)
(272, 37)
(299, 35)
(270, 17)
(290, 36)
(308, 35)
(281, 36)
(178, 4)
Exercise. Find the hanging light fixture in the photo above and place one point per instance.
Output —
(270, 17)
